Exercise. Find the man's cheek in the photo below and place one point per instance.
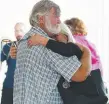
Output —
(53, 22)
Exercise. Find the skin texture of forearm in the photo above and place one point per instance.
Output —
(85, 68)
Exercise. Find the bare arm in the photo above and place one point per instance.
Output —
(85, 68)
(13, 52)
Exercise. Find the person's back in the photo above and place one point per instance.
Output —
(36, 74)
(96, 63)
(36, 71)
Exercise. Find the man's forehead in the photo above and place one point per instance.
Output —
(54, 11)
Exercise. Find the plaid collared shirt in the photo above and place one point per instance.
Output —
(38, 71)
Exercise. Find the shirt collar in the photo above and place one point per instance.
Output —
(33, 30)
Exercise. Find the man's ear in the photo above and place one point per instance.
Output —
(41, 19)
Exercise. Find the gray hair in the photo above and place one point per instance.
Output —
(41, 8)
(21, 24)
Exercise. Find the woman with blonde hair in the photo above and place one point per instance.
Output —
(77, 26)
(79, 33)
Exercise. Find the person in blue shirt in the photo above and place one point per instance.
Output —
(7, 92)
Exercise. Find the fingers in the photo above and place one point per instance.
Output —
(34, 40)
(29, 42)
(13, 49)
(13, 56)
(33, 35)
(13, 52)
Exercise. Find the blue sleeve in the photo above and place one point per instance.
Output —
(5, 52)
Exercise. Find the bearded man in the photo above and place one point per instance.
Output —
(38, 69)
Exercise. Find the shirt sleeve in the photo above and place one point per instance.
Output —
(67, 50)
(65, 66)
(4, 52)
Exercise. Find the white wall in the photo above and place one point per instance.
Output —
(13, 11)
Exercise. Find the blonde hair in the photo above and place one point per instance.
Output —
(77, 26)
